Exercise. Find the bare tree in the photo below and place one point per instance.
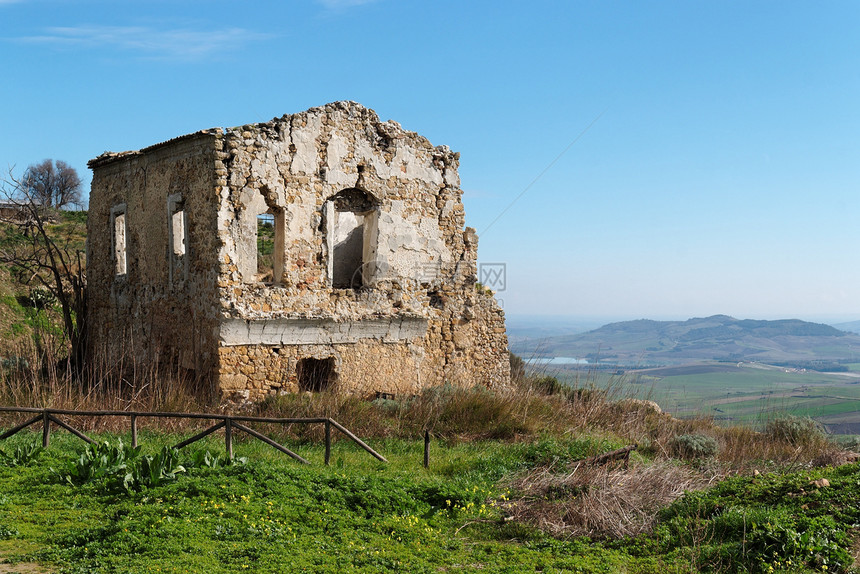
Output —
(51, 184)
(39, 253)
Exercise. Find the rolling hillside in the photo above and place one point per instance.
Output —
(720, 337)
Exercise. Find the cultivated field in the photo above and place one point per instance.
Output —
(742, 393)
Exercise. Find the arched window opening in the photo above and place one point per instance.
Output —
(351, 217)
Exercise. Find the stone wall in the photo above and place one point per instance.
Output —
(163, 309)
(407, 317)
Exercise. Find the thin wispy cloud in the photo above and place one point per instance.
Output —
(148, 42)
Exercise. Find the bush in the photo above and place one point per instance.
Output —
(690, 446)
(796, 431)
(518, 368)
(547, 385)
(21, 456)
(41, 298)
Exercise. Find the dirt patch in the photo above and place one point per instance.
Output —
(21, 568)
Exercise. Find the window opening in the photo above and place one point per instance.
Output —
(351, 230)
(348, 252)
(265, 247)
(315, 375)
(177, 238)
(177, 225)
(259, 234)
(119, 240)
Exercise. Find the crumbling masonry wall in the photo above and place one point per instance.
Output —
(163, 310)
(372, 273)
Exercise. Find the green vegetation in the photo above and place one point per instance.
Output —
(748, 394)
(512, 486)
(690, 446)
(790, 523)
(273, 515)
(31, 317)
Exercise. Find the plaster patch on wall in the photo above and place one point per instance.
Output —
(304, 138)
(319, 331)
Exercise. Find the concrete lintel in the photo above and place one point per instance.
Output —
(318, 331)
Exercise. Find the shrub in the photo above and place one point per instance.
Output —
(100, 461)
(690, 446)
(121, 467)
(21, 456)
(41, 298)
(518, 368)
(547, 385)
(796, 431)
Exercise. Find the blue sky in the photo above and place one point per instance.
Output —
(623, 159)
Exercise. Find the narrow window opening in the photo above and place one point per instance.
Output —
(119, 240)
(177, 224)
(315, 375)
(259, 234)
(177, 236)
(266, 247)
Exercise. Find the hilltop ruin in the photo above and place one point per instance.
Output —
(324, 249)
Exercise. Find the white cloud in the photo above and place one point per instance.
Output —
(184, 44)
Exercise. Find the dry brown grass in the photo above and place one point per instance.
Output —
(564, 498)
(526, 409)
(601, 501)
(40, 378)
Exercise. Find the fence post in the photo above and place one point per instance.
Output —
(327, 441)
(133, 431)
(46, 429)
(228, 437)
(426, 448)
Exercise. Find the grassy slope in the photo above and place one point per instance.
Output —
(359, 515)
(275, 516)
(17, 320)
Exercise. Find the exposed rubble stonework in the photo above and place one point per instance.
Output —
(324, 249)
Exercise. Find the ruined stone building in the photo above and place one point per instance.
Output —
(324, 249)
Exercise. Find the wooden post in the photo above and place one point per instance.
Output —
(133, 431)
(426, 448)
(228, 437)
(327, 441)
(46, 429)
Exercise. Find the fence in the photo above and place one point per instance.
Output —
(227, 422)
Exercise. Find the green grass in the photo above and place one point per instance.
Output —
(746, 395)
(273, 515)
(359, 515)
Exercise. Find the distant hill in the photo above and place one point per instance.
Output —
(525, 327)
(720, 337)
(852, 326)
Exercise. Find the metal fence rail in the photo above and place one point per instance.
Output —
(226, 422)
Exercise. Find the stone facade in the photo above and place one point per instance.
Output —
(321, 249)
